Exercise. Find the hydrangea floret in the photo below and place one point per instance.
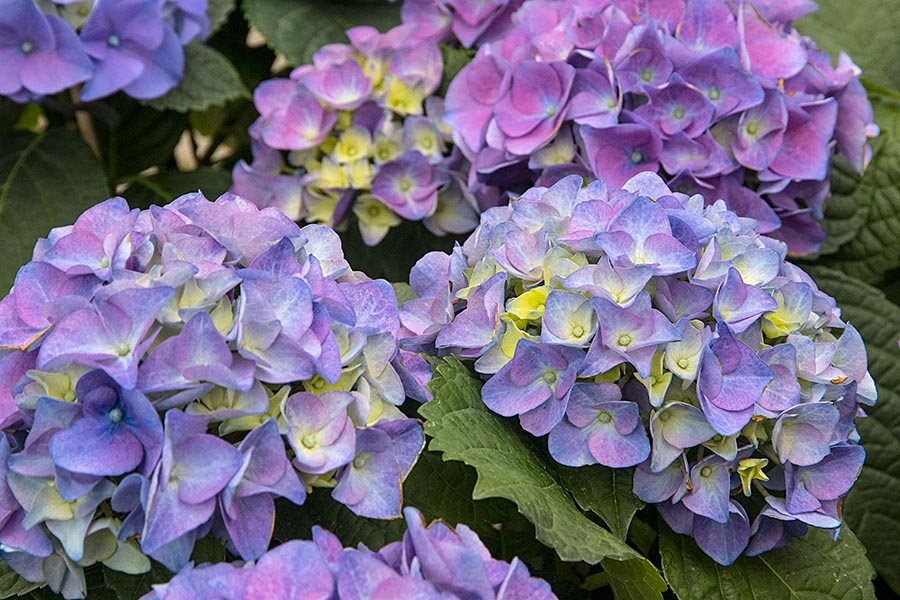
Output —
(725, 99)
(641, 328)
(360, 132)
(436, 561)
(106, 46)
(170, 372)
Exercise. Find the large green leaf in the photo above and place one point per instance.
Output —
(164, 187)
(874, 247)
(209, 80)
(872, 508)
(465, 430)
(813, 567)
(133, 137)
(46, 181)
(296, 29)
(865, 29)
(218, 12)
(846, 210)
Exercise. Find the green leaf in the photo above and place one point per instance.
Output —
(871, 508)
(634, 579)
(813, 567)
(12, 584)
(846, 210)
(465, 430)
(136, 137)
(164, 187)
(297, 29)
(209, 80)
(46, 181)
(604, 491)
(865, 29)
(295, 522)
(218, 12)
(874, 247)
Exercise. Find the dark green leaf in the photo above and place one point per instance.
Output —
(295, 522)
(865, 29)
(209, 80)
(846, 210)
(137, 137)
(606, 492)
(397, 252)
(218, 11)
(813, 567)
(465, 430)
(46, 181)
(164, 187)
(871, 508)
(12, 584)
(297, 29)
(874, 247)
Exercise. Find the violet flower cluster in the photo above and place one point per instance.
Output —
(724, 98)
(429, 562)
(170, 372)
(359, 131)
(638, 328)
(106, 45)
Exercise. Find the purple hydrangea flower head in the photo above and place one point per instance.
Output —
(430, 561)
(133, 49)
(40, 53)
(708, 93)
(641, 328)
(136, 339)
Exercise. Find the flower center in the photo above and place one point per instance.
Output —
(113, 41)
(27, 47)
(308, 441)
(636, 157)
(404, 185)
(714, 93)
(373, 211)
(69, 396)
(359, 462)
(665, 417)
(604, 417)
(122, 349)
(115, 415)
(752, 128)
(683, 363)
(551, 110)
(624, 340)
(647, 75)
(578, 331)
(549, 377)
(678, 113)
(705, 471)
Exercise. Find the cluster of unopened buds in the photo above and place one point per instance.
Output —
(429, 562)
(724, 98)
(172, 371)
(129, 45)
(639, 328)
(360, 132)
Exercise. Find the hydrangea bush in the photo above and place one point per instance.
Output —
(638, 328)
(623, 382)
(359, 132)
(429, 562)
(725, 99)
(172, 371)
(104, 45)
